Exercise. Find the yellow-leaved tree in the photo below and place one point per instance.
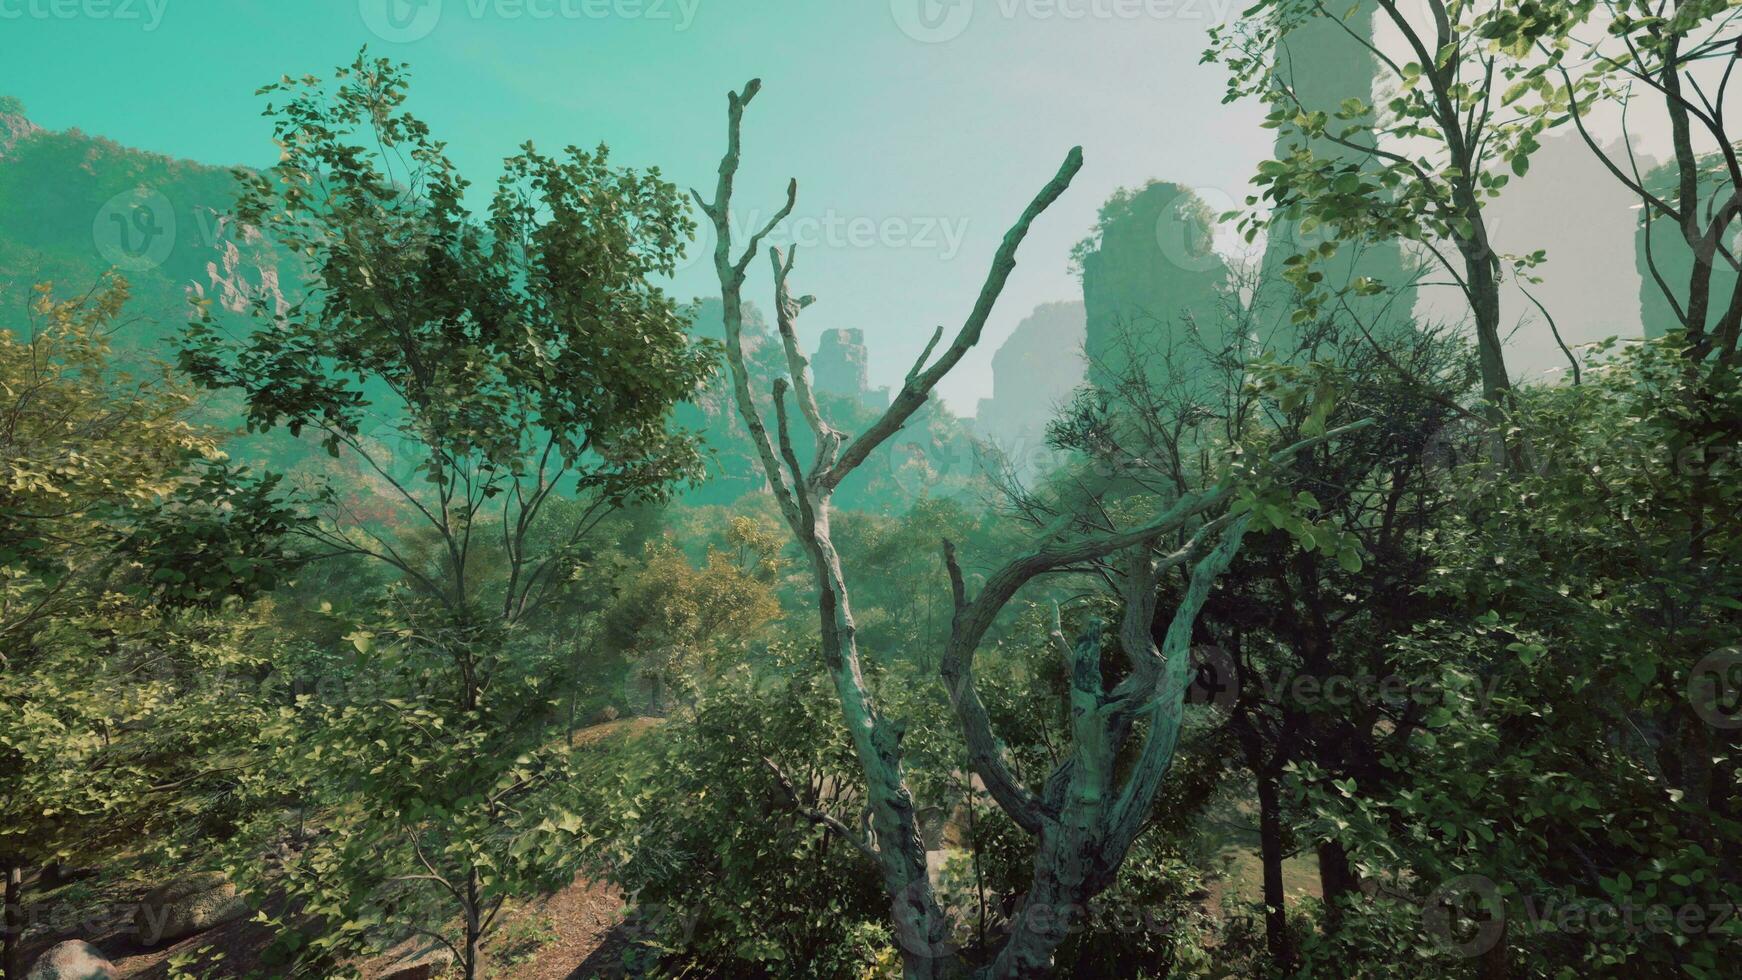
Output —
(127, 545)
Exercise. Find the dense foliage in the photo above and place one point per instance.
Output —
(1323, 649)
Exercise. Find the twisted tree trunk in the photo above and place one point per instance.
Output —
(1090, 816)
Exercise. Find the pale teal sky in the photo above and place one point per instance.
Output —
(917, 129)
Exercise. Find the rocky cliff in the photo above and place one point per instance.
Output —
(78, 206)
(1033, 374)
(841, 366)
(1151, 283)
(1661, 252)
(14, 124)
(1328, 63)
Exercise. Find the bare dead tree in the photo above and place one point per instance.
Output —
(804, 501)
(1087, 815)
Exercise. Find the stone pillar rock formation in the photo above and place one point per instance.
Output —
(1148, 276)
(1033, 374)
(1324, 65)
(841, 367)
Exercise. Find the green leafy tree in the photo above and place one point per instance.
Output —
(1296, 638)
(1581, 753)
(679, 622)
(1604, 56)
(704, 820)
(478, 369)
(1416, 163)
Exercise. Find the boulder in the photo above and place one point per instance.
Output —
(187, 906)
(932, 821)
(72, 960)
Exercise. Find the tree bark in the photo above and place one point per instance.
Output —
(1276, 936)
(921, 928)
(1494, 962)
(1337, 880)
(12, 925)
(473, 929)
(1070, 862)
(1481, 272)
(1046, 914)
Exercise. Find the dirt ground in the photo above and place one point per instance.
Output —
(576, 933)
(580, 936)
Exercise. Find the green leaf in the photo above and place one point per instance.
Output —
(1349, 559)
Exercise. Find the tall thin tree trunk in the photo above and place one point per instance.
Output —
(921, 928)
(1493, 964)
(472, 924)
(12, 924)
(1270, 850)
(1484, 294)
(574, 690)
(979, 878)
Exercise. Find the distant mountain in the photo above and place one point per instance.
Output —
(77, 206)
(1150, 277)
(842, 367)
(1328, 61)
